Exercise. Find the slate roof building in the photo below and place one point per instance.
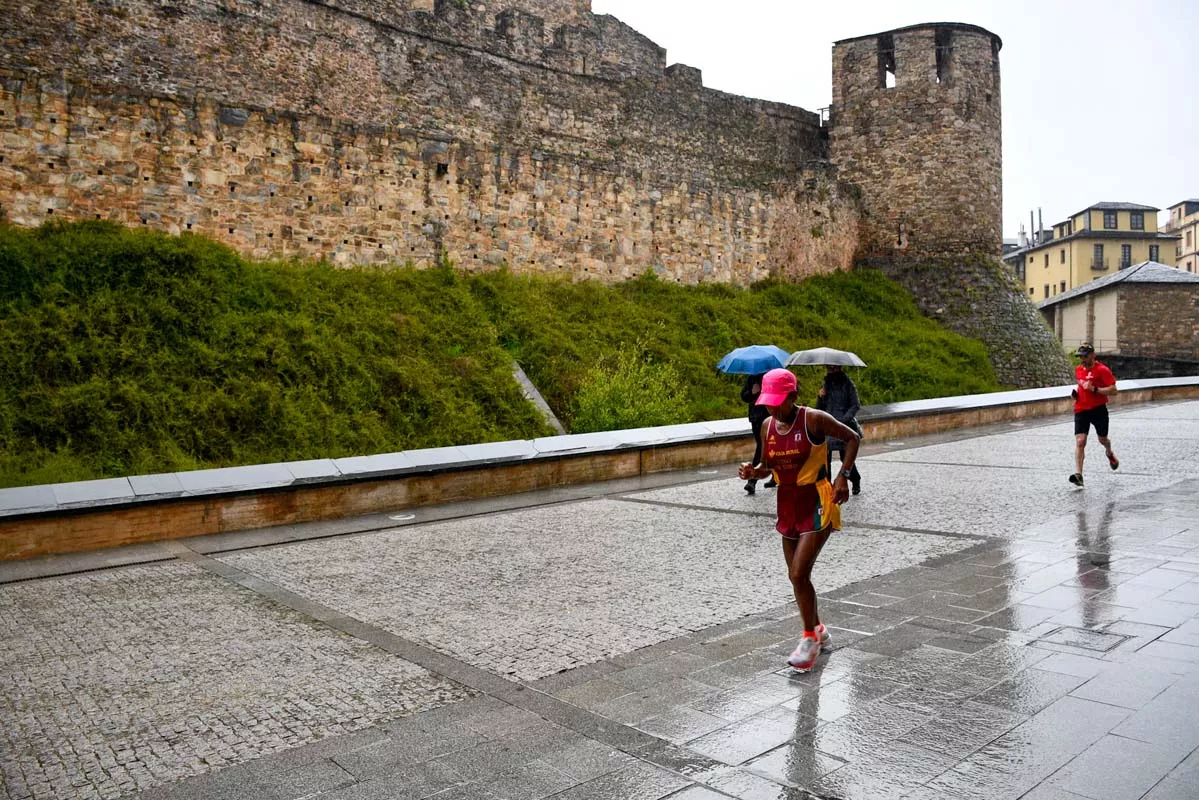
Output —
(1148, 309)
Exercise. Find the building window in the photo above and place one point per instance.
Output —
(943, 39)
(1097, 261)
(1109, 220)
(1046, 290)
(1046, 259)
(1063, 286)
(1153, 252)
(1034, 291)
(1136, 220)
(1125, 256)
(1188, 240)
(886, 62)
(1063, 255)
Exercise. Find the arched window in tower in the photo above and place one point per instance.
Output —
(944, 46)
(886, 61)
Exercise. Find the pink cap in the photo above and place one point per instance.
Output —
(776, 385)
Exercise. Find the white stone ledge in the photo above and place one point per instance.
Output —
(83, 495)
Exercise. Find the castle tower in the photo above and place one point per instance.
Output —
(915, 123)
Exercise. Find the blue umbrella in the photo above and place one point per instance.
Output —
(753, 360)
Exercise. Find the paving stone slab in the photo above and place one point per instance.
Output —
(1117, 768)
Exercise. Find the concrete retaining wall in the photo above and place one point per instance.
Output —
(90, 515)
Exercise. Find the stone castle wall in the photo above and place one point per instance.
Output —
(925, 152)
(1158, 320)
(554, 13)
(541, 137)
(383, 131)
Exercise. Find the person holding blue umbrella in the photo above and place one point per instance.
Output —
(757, 415)
(753, 362)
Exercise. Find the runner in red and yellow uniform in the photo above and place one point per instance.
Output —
(795, 450)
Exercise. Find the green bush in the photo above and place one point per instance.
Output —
(627, 390)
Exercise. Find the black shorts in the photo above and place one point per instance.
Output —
(1083, 420)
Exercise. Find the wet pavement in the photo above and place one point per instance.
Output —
(997, 633)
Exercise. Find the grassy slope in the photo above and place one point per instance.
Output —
(133, 352)
(128, 352)
(555, 329)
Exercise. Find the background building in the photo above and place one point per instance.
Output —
(1184, 223)
(1149, 310)
(1091, 244)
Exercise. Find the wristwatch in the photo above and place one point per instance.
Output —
(846, 474)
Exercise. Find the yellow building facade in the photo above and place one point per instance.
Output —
(1184, 223)
(1095, 242)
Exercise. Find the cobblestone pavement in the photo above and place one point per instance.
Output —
(124, 679)
(997, 632)
(530, 593)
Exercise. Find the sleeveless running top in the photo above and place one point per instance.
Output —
(805, 495)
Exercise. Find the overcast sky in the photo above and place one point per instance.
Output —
(1100, 98)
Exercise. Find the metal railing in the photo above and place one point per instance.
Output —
(1099, 264)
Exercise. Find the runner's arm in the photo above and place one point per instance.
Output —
(826, 425)
(1108, 388)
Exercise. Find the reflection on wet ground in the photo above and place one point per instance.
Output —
(1053, 659)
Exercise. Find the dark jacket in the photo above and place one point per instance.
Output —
(749, 393)
(841, 401)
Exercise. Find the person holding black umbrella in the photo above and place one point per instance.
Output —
(839, 397)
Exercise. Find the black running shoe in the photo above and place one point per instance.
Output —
(1076, 479)
(751, 487)
(770, 484)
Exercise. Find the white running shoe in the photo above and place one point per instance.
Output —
(826, 638)
(805, 654)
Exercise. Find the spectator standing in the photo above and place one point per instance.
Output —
(839, 397)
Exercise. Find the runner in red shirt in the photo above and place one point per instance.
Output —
(1095, 385)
